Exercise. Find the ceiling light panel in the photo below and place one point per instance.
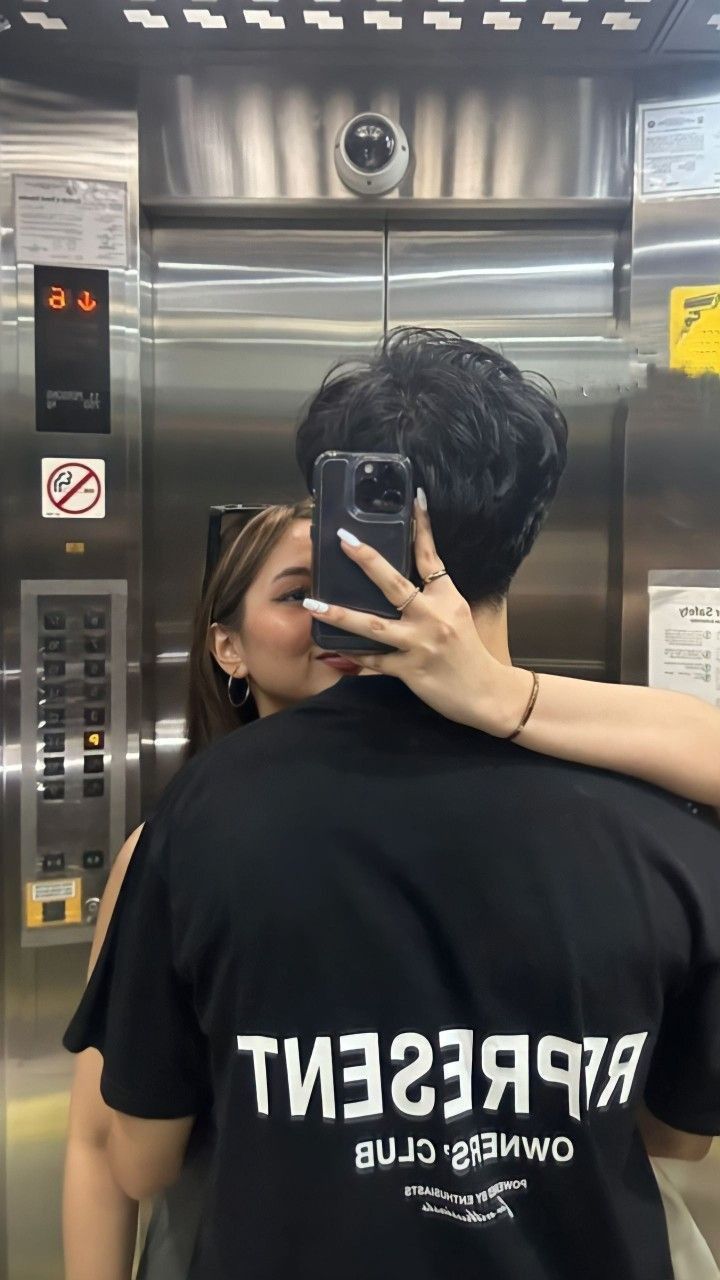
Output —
(323, 19)
(264, 19)
(443, 20)
(382, 19)
(501, 20)
(205, 19)
(42, 20)
(621, 22)
(561, 21)
(715, 22)
(144, 18)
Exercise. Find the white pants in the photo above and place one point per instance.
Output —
(691, 1256)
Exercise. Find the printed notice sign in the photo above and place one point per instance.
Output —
(70, 221)
(694, 328)
(680, 149)
(49, 903)
(684, 639)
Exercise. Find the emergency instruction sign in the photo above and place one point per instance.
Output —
(73, 488)
(694, 329)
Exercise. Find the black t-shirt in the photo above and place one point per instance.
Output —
(423, 978)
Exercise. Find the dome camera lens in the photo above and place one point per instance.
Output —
(370, 144)
(371, 154)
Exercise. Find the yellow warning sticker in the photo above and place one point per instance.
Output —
(49, 903)
(694, 337)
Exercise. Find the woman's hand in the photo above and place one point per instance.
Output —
(438, 652)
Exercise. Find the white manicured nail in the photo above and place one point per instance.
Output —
(349, 538)
(315, 606)
(422, 499)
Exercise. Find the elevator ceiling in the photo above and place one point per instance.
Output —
(543, 35)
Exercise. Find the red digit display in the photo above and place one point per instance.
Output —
(57, 298)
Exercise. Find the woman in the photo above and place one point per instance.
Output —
(253, 655)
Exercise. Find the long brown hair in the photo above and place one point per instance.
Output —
(210, 714)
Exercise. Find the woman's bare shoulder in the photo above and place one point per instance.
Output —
(111, 892)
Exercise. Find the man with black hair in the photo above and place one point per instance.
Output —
(425, 978)
(488, 445)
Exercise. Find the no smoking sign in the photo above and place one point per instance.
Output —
(73, 488)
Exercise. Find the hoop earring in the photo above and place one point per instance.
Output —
(245, 697)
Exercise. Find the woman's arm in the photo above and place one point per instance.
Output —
(99, 1220)
(661, 1141)
(670, 739)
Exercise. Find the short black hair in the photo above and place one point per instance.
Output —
(487, 443)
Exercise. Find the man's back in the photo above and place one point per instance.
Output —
(432, 971)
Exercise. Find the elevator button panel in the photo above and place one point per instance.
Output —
(73, 743)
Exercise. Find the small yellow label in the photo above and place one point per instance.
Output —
(61, 898)
(75, 548)
(694, 336)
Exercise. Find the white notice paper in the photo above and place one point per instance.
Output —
(684, 638)
(680, 149)
(70, 222)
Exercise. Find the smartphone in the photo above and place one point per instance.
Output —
(370, 495)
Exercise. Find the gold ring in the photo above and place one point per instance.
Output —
(415, 593)
(433, 577)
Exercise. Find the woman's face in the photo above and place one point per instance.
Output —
(273, 647)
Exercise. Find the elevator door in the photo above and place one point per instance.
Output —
(245, 323)
(546, 297)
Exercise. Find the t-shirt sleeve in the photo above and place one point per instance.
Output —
(683, 1085)
(137, 1010)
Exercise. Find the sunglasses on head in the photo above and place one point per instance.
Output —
(224, 524)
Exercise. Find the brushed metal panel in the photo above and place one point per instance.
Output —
(213, 135)
(550, 281)
(546, 298)
(75, 826)
(246, 323)
(41, 132)
(671, 517)
(675, 241)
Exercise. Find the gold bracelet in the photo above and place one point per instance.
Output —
(529, 708)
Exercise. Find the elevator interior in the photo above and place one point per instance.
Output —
(270, 309)
(250, 269)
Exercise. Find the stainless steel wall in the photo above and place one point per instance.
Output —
(671, 517)
(47, 132)
(547, 297)
(672, 469)
(250, 136)
(246, 321)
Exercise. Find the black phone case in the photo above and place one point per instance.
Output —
(336, 579)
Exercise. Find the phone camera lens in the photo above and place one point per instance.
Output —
(380, 490)
(392, 499)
